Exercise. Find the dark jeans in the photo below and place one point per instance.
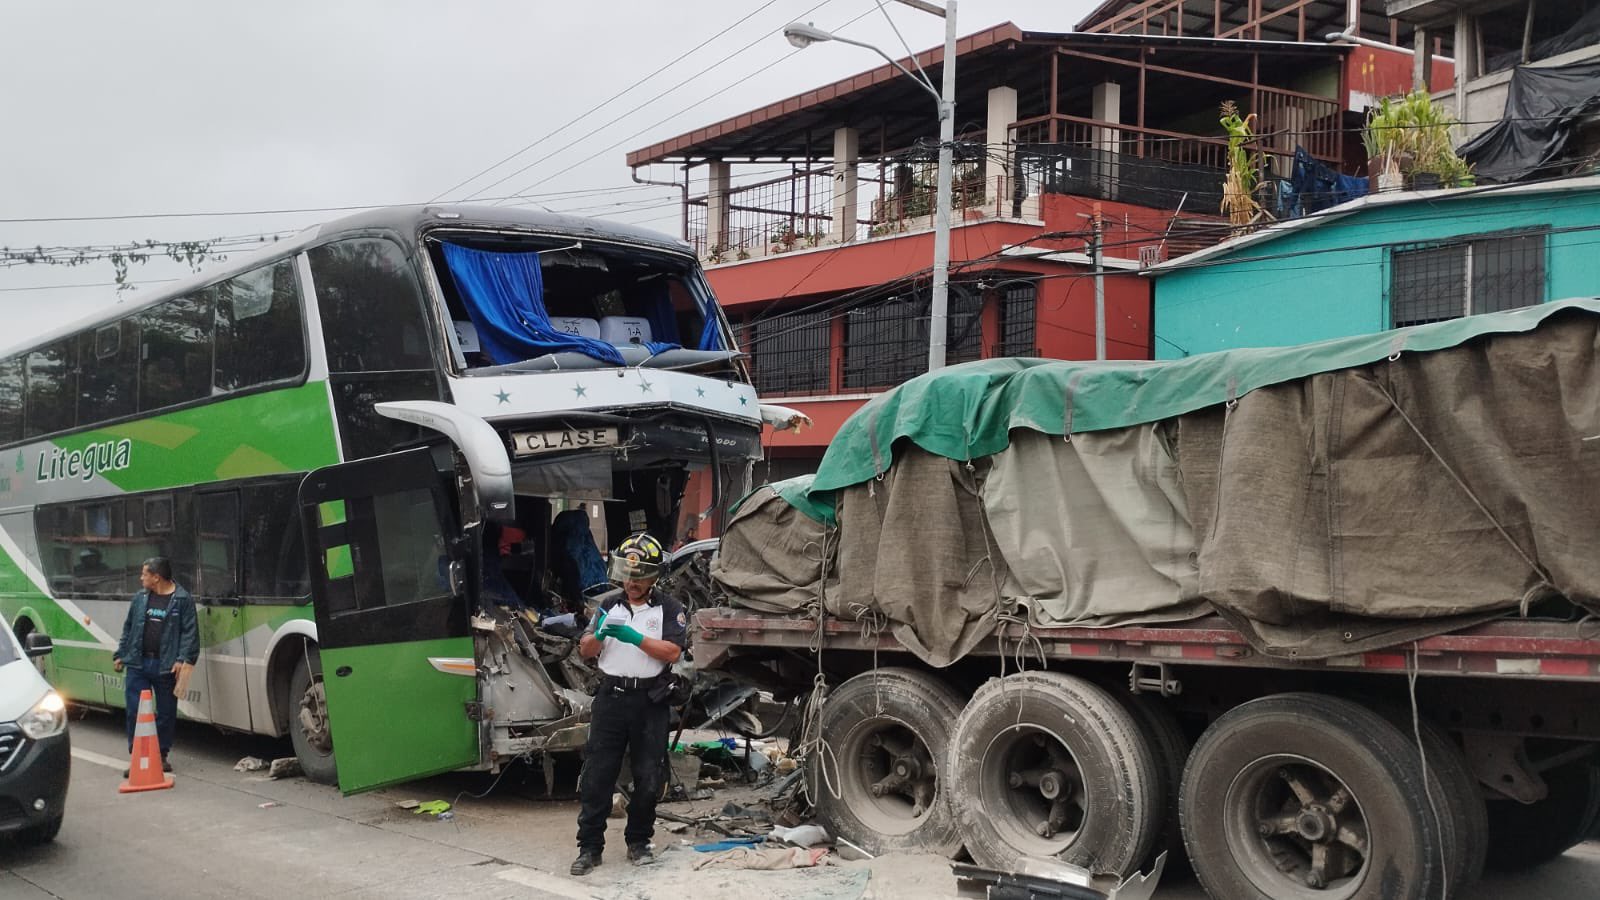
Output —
(146, 674)
(628, 722)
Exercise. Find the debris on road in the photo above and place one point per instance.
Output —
(268, 805)
(250, 764)
(801, 835)
(769, 859)
(287, 767)
(407, 804)
(432, 808)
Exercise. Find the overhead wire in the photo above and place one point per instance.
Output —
(604, 103)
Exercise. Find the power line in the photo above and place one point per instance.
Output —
(602, 105)
(669, 118)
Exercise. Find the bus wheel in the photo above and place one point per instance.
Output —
(1048, 764)
(308, 722)
(1310, 797)
(888, 732)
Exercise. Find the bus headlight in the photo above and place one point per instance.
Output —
(47, 718)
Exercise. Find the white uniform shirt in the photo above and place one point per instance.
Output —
(662, 619)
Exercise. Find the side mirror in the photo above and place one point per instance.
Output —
(39, 644)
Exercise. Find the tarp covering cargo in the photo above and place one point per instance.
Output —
(1326, 499)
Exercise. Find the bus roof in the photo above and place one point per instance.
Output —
(404, 219)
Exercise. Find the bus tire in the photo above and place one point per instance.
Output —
(308, 721)
(1522, 836)
(1047, 764)
(1305, 795)
(878, 781)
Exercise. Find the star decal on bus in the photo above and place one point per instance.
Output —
(579, 390)
(645, 386)
(502, 396)
(699, 392)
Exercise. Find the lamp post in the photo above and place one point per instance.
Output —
(804, 35)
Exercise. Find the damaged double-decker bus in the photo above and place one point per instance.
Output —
(383, 455)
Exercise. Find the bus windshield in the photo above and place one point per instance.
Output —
(551, 302)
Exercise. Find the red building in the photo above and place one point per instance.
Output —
(814, 214)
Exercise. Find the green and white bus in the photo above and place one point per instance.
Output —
(318, 437)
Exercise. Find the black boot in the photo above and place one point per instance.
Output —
(640, 855)
(586, 862)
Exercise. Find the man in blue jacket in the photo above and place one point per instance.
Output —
(159, 637)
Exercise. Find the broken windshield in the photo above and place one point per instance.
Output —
(517, 300)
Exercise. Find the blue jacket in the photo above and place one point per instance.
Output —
(180, 633)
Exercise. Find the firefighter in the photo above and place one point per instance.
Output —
(638, 633)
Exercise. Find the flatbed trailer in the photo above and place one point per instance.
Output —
(1422, 761)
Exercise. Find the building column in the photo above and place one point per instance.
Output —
(996, 165)
(717, 175)
(1421, 60)
(1106, 103)
(1466, 61)
(846, 156)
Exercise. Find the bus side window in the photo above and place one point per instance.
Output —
(175, 352)
(260, 335)
(217, 545)
(275, 565)
(108, 372)
(11, 400)
(378, 341)
(52, 389)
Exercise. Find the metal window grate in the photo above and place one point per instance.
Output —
(789, 353)
(887, 343)
(1018, 325)
(1486, 273)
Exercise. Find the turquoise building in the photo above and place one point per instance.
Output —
(1380, 262)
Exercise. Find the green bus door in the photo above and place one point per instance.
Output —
(392, 619)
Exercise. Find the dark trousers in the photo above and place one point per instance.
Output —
(146, 674)
(622, 722)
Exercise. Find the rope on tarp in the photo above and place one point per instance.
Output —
(1545, 586)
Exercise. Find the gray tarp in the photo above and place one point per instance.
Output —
(1120, 551)
(1331, 514)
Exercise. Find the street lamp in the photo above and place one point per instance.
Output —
(802, 35)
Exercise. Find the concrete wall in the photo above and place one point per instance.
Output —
(1329, 279)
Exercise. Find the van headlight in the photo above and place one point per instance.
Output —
(47, 718)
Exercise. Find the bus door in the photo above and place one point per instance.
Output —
(393, 619)
(219, 683)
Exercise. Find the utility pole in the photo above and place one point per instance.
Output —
(939, 309)
(1099, 286)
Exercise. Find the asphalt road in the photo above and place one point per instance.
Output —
(227, 834)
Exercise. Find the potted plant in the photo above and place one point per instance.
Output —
(716, 253)
(1409, 139)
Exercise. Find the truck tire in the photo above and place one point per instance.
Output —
(1047, 764)
(1525, 835)
(1461, 806)
(879, 783)
(309, 730)
(1463, 820)
(1165, 737)
(1309, 796)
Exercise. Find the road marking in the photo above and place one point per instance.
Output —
(545, 881)
(89, 756)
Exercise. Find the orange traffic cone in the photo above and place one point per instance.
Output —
(144, 769)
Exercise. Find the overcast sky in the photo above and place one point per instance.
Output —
(117, 109)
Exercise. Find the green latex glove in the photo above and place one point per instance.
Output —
(599, 623)
(624, 633)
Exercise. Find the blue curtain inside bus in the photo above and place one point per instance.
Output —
(504, 296)
(664, 321)
(658, 309)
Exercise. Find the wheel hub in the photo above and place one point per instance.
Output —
(1309, 826)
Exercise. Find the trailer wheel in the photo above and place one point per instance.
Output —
(1047, 764)
(1522, 836)
(1461, 806)
(1309, 797)
(1170, 745)
(889, 733)
(309, 731)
